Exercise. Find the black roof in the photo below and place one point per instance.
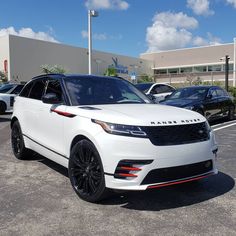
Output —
(64, 76)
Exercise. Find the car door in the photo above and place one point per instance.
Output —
(211, 105)
(14, 93)
(224, 101)
(50, 125)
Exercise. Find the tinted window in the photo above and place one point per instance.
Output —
(17, 89)
(54, 86)
(221, 92)
(194, 93)
(144, 86)
(26, 90)
(6, 87)
(105, 90)
(213, 93)
(37, 90)
(161, 88)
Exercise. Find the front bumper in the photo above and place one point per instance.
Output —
(113, 149)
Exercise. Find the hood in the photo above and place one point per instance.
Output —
(179, 102)
(138, 114)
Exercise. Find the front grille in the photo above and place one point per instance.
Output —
(178, 172)
(177, 134)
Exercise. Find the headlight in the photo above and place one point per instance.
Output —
(125, 130)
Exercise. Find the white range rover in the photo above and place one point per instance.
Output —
(109, 135)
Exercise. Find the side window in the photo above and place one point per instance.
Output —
(213, 93)
(221, 92)
(54, 86)
(37, 89)
(17, 89)
(26, 90)
(161, 88)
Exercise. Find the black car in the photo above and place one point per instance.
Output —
(211, 101)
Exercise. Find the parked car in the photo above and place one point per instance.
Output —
(158, 90)
(212, 102)
(106, 139)
(7, 95)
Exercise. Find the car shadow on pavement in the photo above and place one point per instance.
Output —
(175, 196)
(163, 198)
(4, 119)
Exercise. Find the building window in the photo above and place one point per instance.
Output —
(186, 70)
(231, 67)
(173, 71)
(160, 72)
(200, 69)
(215, 68)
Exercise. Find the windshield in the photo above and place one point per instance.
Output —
(102, 90)
(193, 93)
(144, 86)
(6, 87)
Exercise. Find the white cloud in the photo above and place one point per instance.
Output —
(102, 36)
(28, 33)
(233, 2)
(209, 40)
(107, 4)
(173, 30)
(176, 20)
(201, 7)
(84, 34)
(169, 31)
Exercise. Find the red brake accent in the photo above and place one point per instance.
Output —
(179, 182)
(130, 168)
(127, 175)
(62, 113)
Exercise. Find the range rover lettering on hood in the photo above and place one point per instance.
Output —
(171, 122)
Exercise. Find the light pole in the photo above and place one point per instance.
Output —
(91, 13)
(234, 72)
(226, 72)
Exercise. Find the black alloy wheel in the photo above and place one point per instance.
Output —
(231, 113)
(17, 142)
(86, 172)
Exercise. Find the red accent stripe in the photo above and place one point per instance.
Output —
(62, 113)
(179, 182)
(130, 168)
(127, 175)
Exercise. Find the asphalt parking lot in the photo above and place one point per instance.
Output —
(36, 198)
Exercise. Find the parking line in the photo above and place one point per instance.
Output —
(223, 127)
(224, 123)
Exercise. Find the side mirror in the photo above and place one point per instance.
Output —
(50, 98)
(167, 96)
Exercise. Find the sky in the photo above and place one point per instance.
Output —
(126, 27)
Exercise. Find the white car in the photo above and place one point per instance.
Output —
(158, 90)
(109, 135)
(7, 95)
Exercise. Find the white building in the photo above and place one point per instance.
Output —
(205, 63)
(22, 58)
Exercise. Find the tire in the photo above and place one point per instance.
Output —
(231, 113)
(86, 172)
(3, 107)
(17, 142)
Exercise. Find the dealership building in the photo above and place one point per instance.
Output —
(22, 58)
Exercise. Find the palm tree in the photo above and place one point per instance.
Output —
(56, 69)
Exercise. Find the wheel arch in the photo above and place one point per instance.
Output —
(78, 138)
(13, 120)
